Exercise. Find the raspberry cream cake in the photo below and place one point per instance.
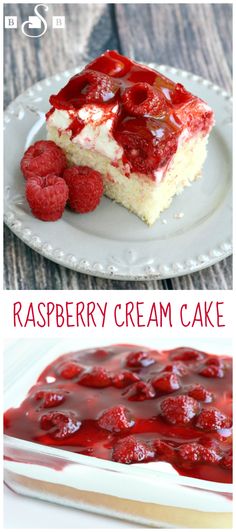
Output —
(144, 133)
(149, 434)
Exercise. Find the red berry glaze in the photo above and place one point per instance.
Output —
(85, 188)
(104, 403)
(47, 197)
(179, 95)
(43, 158)
(152, 109)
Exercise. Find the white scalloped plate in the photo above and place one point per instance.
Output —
(111, 242)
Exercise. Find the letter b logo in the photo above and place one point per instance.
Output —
(10, 22)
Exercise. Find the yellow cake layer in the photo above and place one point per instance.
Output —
(140, 512)
(137, 193)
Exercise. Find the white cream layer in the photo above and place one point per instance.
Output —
(131, 485)
(97, 134)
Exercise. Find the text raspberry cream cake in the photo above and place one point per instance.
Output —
(145, 134)
(131, 432)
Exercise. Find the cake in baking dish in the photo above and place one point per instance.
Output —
(145, 134)
(150, 435)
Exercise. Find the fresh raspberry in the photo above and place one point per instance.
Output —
(70, 370)
(178, 368)
(212, 372)
(85, 188)
(87, 87)
(140, 391)
(96, 378)
(194, 452)
(212, 420)
(166, 382)
(200, 393)
(141, 359)
(163, 450)
(179, 95)
(116, 419)
(42, 158)
(179, 410)
(130, 450)
(47, 197)
(142, 149)
(187, 354)
(227, 461)
(142, 100)
(123, 379)
(49, 399)
(60, 425)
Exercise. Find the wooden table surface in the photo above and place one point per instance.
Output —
(195, 37)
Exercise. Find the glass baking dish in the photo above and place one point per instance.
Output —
(151, 494)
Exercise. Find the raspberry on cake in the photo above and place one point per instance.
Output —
(144, 133)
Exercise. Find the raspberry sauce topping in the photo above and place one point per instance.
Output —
(152, 110)
(130, 405)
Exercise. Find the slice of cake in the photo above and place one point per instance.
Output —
(144, 133)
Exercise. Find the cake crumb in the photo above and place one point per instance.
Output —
(164, 221)
(178, 215)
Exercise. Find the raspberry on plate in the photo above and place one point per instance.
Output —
(47, 196)
(42, 158)
(117, 419)
(85, 188)
(131, 450)
(179, 410)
